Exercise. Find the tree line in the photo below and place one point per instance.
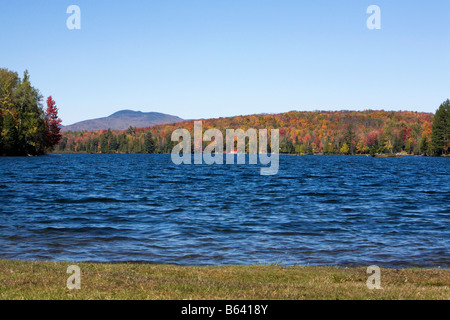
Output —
(132, 140)
(25, 127)
(324, 132)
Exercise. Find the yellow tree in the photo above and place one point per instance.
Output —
(345, 149)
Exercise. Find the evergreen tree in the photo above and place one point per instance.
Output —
(10, 136)
(287, 147)
(440, 135)
(149, 143)
(113, 143)
(424, 145)
(104, 141)
(349, 138)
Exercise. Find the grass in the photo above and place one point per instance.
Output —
(47, 280)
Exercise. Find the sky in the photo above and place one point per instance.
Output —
(215, 58)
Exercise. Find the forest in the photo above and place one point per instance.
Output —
(301, 132)
(26, 129)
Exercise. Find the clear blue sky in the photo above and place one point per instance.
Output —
(212, 58)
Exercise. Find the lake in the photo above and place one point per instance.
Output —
(318, 210)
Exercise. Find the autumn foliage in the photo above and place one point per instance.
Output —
(326, 132)
(25, 128)
(53, 123)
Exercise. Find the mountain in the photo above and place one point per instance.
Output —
(300, 132)
(122, 120)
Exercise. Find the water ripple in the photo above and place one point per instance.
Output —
(327, 210)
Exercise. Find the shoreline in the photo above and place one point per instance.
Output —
(281, 154)
(32, 280)
(383, 155)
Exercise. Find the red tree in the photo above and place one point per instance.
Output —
(53, 124)
(372, 138)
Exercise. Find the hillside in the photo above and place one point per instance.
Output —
(122, 120)
(328, 132)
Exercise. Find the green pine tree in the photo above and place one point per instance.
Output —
(149, 143)
(440, 135)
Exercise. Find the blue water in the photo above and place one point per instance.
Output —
(318, 210)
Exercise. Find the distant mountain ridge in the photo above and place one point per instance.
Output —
(122, 120)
